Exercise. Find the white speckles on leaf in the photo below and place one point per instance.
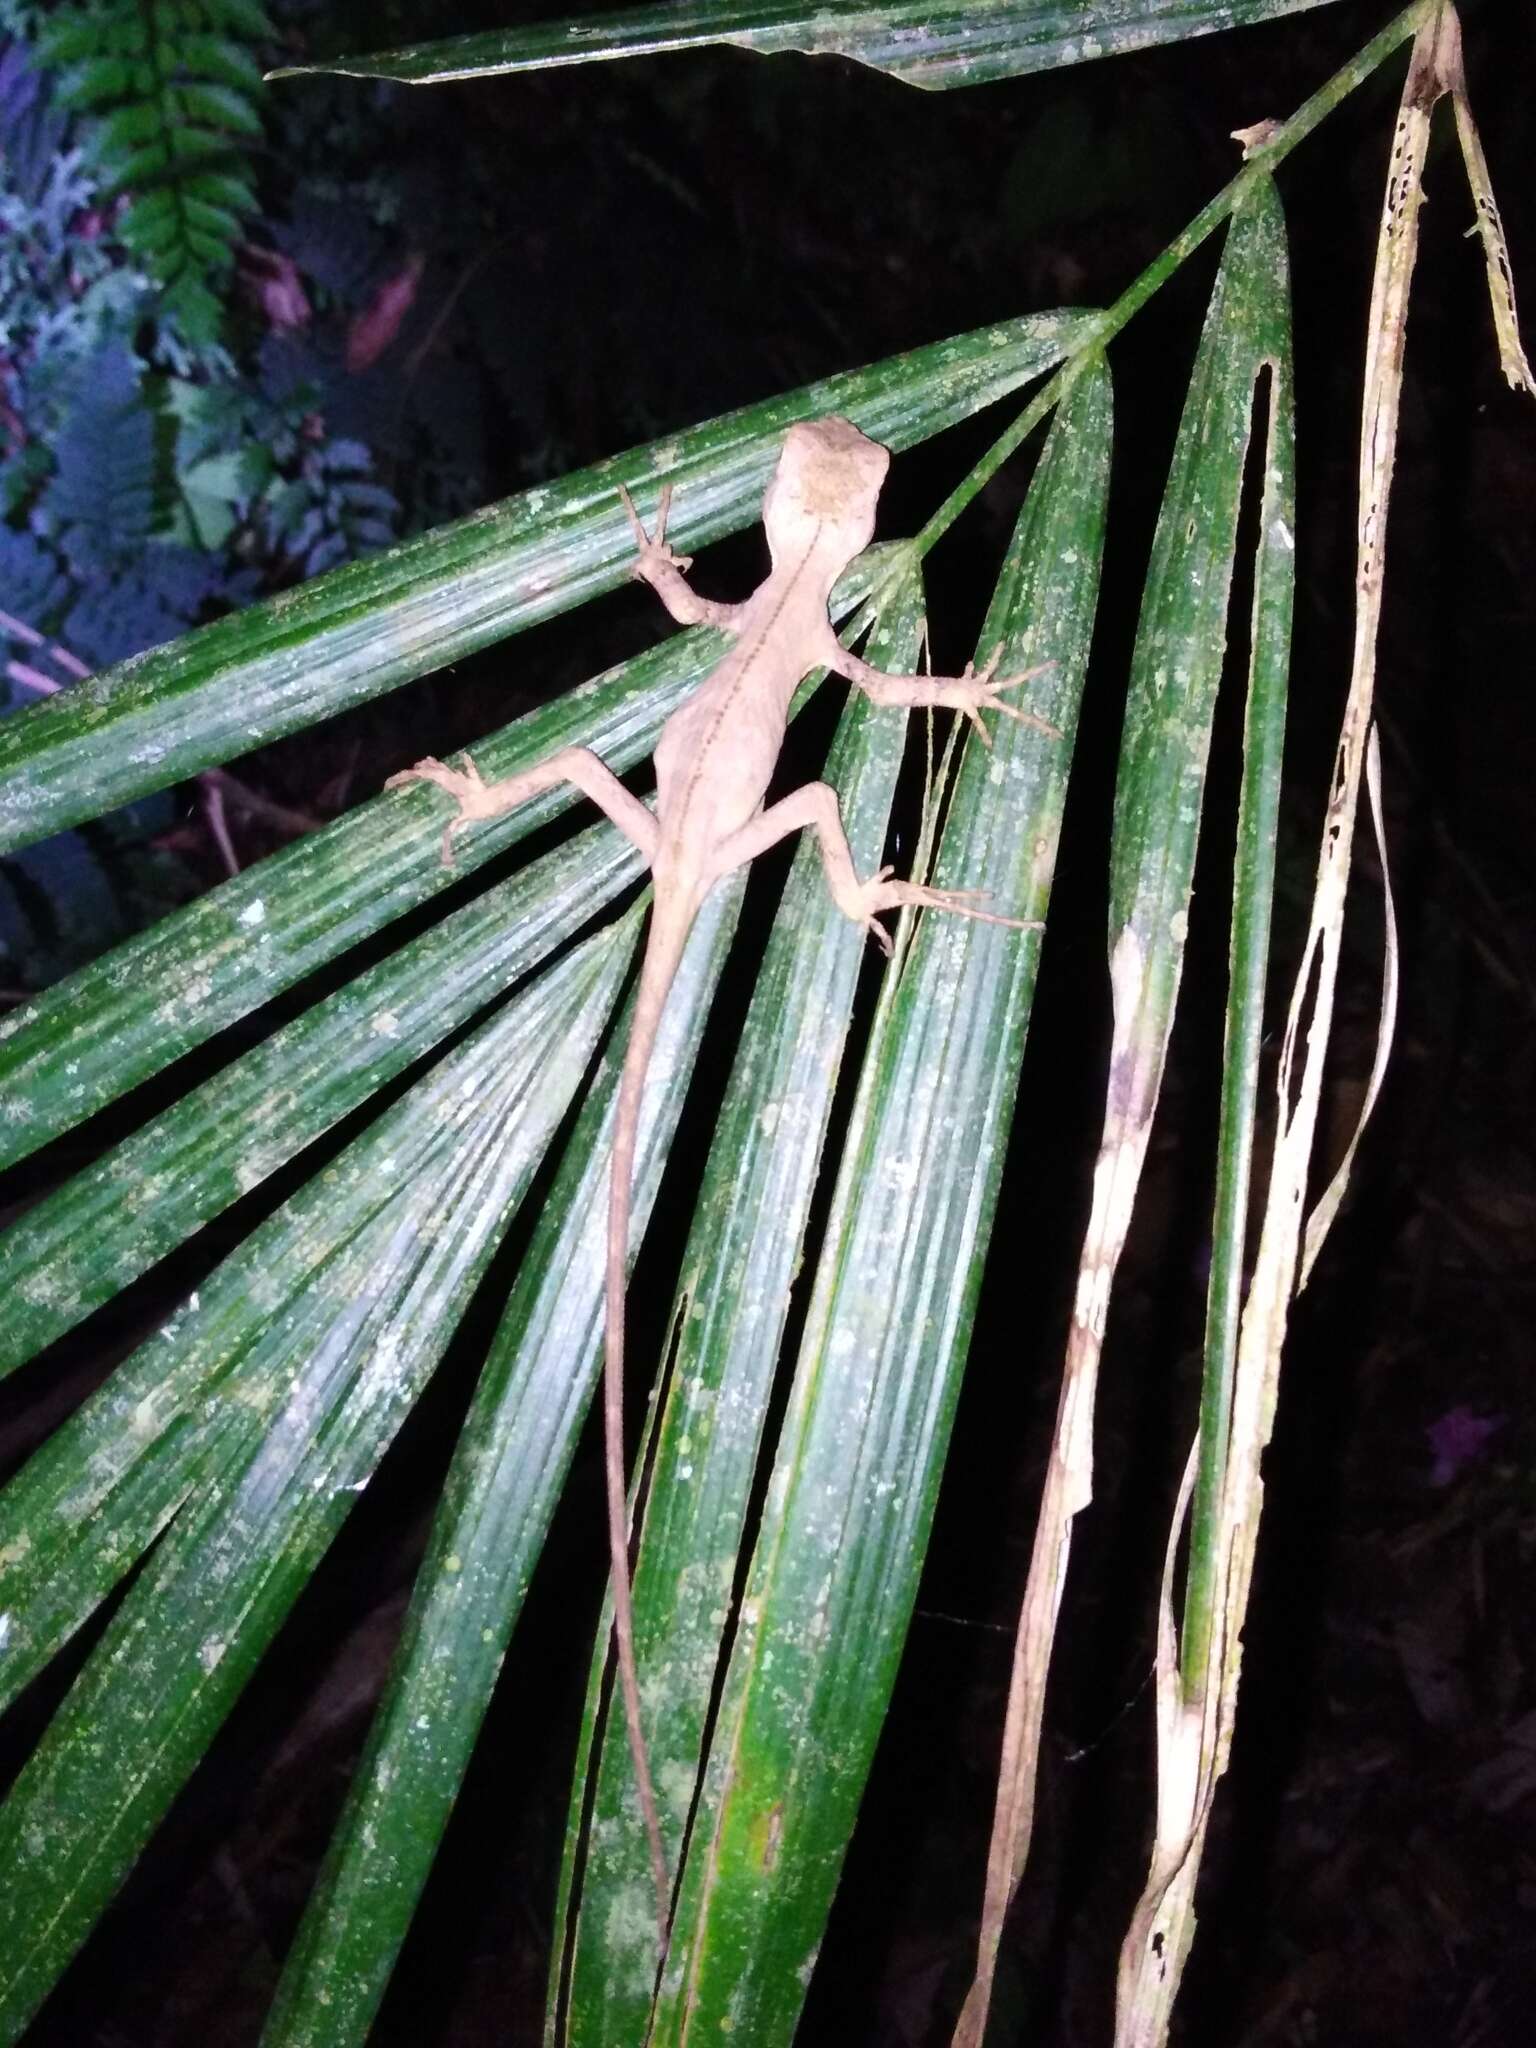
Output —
(146, 1417)
(254, 913)
(265, 1291)
(40, 1289)
(250, 1172)
(142, 1198)
(192, 994)
(674, 1786)
(629, 1937)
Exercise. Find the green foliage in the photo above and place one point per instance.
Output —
(83, 376)
(269, 1408)
(147, 482)
(172, 91)
(208, 1474)
(937, 45)
(77, 509)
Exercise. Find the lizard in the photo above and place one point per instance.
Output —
(715, 758)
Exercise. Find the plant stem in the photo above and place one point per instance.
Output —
(1096, 333)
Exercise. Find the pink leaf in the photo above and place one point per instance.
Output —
(273, 282)
(379, 322)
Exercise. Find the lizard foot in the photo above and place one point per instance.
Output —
(975, 692)
(473, 795)
(880, 893)
(654, 552)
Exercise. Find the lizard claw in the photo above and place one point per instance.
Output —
(962, 902)
(876, 893)
(984, 696)
(653, 550)
(465, 785)
(636, 525)
(973, 713)
(881, 893)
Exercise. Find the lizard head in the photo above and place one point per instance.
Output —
(824, 490)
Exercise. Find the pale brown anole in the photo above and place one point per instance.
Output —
(714, 761)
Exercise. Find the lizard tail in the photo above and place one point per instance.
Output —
(662, 953)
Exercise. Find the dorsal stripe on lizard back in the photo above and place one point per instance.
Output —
(747, 657)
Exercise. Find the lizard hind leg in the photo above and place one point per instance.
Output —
(815, 806)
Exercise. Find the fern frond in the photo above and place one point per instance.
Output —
(33, 129)
(101, 500)
(173, 95)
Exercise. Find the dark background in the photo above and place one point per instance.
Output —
(656, 242)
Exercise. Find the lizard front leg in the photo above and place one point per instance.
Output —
(815, 805)
(971, 693)
(664, 571)
(480, 799)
